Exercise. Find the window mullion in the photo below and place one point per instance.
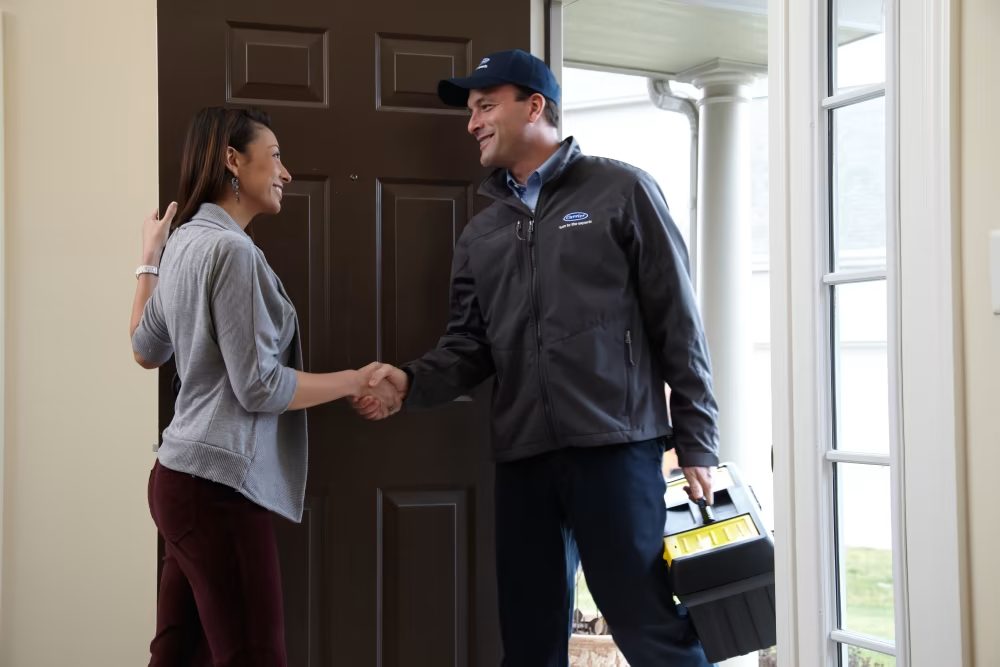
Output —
(863, 641)
(846, 277)
(847, 456)
(854, 96)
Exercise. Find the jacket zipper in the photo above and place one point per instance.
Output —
(546, 402)
(628, 347)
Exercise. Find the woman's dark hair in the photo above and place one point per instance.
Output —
(203, 163)
(551, 108)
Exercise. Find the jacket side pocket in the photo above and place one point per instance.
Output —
(629, 372)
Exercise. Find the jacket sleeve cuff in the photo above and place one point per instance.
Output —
(697, 459)
(412, 399)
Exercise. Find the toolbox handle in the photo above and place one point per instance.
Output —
(704, 510)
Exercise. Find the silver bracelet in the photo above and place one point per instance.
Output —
(147, 268)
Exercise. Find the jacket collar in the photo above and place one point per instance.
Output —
(213, 216)
(495, 187)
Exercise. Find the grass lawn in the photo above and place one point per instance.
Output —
(869, 603)
(869, 592)
(584, 600)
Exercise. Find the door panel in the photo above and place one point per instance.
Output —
(423, 589)
(393, 562)
(419, 224)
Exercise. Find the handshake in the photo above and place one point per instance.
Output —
(381, 390)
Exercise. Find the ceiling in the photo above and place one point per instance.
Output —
(670, 36)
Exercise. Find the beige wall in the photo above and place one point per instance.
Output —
(980, 213)
(78, 561)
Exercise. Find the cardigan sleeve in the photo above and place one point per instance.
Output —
(247, 328)
(151, 339)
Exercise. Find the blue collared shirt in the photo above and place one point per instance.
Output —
(528, 193)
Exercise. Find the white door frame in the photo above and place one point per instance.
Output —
(931, 322)
(3, 311)
(933, 505)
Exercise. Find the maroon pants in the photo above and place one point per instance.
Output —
(219, 600)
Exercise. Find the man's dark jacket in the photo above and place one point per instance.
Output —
(582, 311)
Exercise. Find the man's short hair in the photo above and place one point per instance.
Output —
(551, 107)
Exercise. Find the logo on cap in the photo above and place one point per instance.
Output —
(483, 63)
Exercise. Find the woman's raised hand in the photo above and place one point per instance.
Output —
(154, 234)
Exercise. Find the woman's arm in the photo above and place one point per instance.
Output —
(315, 388)
(154, 237)
(247, 329)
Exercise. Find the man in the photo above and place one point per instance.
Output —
(572, 289)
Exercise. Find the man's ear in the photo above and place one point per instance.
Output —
(536, 106)
(232, 161)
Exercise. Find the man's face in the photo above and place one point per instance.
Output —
(498, 123)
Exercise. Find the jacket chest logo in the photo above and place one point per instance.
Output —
(575, 219)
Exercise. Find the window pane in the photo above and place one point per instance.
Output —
(864, 550)
(859, 31)
(861, 367)
(859, 186)
(853, 656)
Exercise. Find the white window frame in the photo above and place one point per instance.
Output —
(931, 619)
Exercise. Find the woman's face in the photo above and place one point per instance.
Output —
(262, 176)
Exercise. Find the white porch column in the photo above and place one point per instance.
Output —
(723, 255)
(723, 243)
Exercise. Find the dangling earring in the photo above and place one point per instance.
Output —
(236, 187)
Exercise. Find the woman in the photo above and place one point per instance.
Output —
(236, 448)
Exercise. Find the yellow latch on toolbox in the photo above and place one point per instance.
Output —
(719, 534)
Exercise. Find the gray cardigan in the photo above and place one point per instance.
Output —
(224, 315)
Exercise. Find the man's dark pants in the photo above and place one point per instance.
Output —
(604, 506)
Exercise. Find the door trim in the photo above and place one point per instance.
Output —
(933, 413)
(3, 307)
(786, 597)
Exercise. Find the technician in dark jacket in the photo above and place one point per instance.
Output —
(572, 288)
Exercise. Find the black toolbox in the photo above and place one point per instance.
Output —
(721, 563)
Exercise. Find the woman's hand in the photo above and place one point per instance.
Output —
(387, 388)
(379, 397)
(154, 234)
(360, 378)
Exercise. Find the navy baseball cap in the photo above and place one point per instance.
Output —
(515, 66)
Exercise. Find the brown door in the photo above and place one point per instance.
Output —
(393, 562)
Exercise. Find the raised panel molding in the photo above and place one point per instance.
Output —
(276, 65)
(297, 243)
(418, 224)
(302, 581)
(409, 68)
(423, 577)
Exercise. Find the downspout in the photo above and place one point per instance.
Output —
(553, 18)
(664, 97)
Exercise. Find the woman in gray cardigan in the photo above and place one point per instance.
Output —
(236, 448)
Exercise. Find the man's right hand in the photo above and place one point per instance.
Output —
(387, 387)
(699, 479)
